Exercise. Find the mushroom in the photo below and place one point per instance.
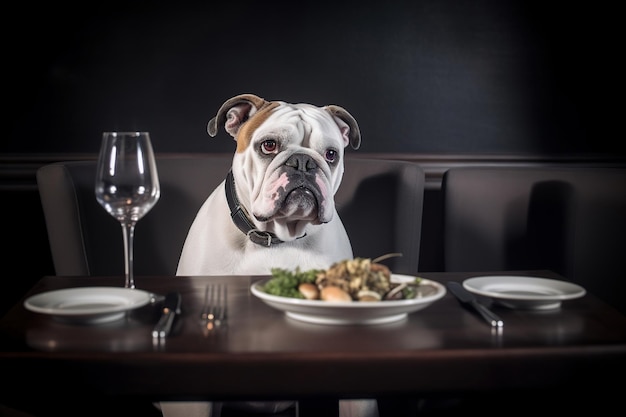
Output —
(309, 291)
(368, 295)
(332, 293)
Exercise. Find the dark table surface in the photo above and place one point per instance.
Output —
(443, 349)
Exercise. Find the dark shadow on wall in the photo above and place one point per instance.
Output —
(551, 216)
(545, 242)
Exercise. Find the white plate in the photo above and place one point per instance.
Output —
(88, 304)
(524, 292)
(356, 312)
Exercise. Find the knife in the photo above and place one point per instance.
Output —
(468, 300)
(171, 307)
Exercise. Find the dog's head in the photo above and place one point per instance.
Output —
(288, 163)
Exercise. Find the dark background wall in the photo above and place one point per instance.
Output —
(431, 76)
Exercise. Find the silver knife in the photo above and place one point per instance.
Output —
(171, 307)
(467, 299)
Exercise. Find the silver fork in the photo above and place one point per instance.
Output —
(215, 306)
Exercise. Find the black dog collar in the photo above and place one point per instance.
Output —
(241, 219)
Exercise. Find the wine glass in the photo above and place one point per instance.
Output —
(127, 185)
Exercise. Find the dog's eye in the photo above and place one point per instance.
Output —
(269, 146)
(330, 155)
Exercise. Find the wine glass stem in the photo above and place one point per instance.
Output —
(128, 231)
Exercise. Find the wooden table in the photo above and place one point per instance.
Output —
(443, 350)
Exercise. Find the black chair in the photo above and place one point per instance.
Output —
(569, 220)
(379, 201)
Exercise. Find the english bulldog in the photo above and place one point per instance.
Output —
(275, 209)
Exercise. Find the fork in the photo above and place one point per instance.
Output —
(215, 305)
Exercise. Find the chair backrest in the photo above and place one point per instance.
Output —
(380, 203)
(569, 220)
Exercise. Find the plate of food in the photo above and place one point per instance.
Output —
(521, 292)
(356, 291)
(91, 305)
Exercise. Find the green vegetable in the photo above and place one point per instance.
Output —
(285, 283)
(410, 291)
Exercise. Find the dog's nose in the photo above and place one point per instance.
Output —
(301, 162)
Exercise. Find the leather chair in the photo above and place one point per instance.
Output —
(569, 220)
(379, 201)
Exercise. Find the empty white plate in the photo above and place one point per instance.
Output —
(524, 292)
(88, 304)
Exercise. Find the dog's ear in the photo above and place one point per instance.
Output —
(234, 112)
(347, 124)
